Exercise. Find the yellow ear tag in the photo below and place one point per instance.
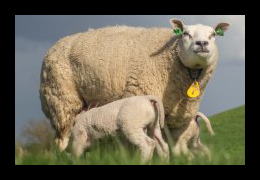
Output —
(194, 90)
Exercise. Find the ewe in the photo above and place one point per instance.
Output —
(107, 64)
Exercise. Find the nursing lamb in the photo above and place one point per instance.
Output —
(130, 116)
(191, 137)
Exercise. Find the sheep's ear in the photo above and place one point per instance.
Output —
(221, 28)
(177, 24)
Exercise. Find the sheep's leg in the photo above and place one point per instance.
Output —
(138, 137)
(63, 116)
(162, 147)
(61, 104)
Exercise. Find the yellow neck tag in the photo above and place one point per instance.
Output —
(194, 90)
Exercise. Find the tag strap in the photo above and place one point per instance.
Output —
(198, 75)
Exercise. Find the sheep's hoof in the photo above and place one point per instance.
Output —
(62, 143)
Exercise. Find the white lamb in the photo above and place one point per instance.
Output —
(130, 116)
(191, 137)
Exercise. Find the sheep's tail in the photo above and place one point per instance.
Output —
(158, 105)
(206, 120)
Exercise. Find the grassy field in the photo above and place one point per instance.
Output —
(227, 147)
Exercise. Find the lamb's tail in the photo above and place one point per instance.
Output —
(206, 120)
(158, 105)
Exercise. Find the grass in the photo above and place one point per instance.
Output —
(229, 142)
(227, 147)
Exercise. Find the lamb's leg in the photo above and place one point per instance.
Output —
(200, 148)
(197, 146)
(81, 141)
(181, 148)
(138, 137)
(204, 150)
(162, 147)
(183, 137)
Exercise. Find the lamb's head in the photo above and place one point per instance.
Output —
(196, 46)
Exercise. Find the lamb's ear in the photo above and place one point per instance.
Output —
(177, 24)
(221, 28)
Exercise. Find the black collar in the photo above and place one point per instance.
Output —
(198, 74)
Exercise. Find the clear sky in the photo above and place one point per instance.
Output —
(34, 35)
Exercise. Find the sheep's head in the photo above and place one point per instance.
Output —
(197, 47)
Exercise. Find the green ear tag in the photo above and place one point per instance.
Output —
(220, 32)
(177, 31)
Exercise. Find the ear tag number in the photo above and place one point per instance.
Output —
(194, 90)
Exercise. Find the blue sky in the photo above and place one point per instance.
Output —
(34, 35)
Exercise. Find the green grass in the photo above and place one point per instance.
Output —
(229, 142)
(227, 147)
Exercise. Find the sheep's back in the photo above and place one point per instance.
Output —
(105, 60)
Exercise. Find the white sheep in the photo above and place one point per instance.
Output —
(191, 138)
(103, 65)
(130, 116)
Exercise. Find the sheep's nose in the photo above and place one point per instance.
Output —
(202, 43)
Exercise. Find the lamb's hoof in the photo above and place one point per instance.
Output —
(167, 158)
(179, 152)
(190, 156)
(166, 154)
(203, 152)
(206, 154)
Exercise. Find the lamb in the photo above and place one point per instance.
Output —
(197, 146)
(107, 64)
(130, 116)
(193, 138)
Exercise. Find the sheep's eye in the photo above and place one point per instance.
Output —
(212, 35)
(187, 34)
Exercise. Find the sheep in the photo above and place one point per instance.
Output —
(111, 63)
(197, 146)
(130, 116)
(192, 137)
